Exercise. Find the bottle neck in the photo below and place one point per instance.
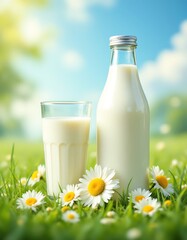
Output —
(123, 55)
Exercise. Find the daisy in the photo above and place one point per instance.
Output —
(134, 233)
(70, 195)
(147, 206)
(30, 200)
(49, 209)
(23, 181)
(175, 163)
(167, 203)
(37, 175)
(111, 214)
(71, 216)
(184, 186)
(161, 182)
(139, 194)
(97, 186)
(65, 208)
(107, 220)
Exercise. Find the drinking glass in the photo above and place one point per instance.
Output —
(65, 129)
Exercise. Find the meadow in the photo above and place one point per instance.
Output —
(121, 221)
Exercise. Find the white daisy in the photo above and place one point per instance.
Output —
(41, 170)
(70, 195)
(49, 209)
(97, 186)
(139, 194)
(23, 181)
(134, 233)
(107, 220)
(161, 182)
(147, 206)
(30, 200)
(111, 214)
(37, 175)
(174, 163)
(184, 186)
(71, 216)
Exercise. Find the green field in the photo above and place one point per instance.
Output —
(28, 155)
(168, 223)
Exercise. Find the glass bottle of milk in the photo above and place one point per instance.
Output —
(123, 118)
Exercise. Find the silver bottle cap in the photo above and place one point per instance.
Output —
(121, 40)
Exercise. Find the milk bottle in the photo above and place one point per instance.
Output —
(123, 118)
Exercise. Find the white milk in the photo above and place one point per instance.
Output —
(65, 146)
(123, 127)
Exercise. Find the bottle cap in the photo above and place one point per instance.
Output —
(121, 40)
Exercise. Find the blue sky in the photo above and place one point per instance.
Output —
(76, 59)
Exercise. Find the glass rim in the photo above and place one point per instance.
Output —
(66, 102)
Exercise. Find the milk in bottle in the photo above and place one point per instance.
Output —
(123, 118)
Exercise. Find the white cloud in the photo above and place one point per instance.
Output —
(170, 67)
(79, 10)
(31, 30)
(72, 60)
(29, 113)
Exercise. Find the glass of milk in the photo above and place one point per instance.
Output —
(65, 127)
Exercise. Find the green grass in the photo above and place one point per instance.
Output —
(23, 159)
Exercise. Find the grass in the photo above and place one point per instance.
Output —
(22, 158)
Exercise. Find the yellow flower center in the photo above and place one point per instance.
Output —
(162, 181)
(96, 186)
(69, 196)
(139, 198)
(65, 208)
(31, 201)
(71, 216)
(147, 208)
(167, 203)
(34, 175)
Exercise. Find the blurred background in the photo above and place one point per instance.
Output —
(59, 50)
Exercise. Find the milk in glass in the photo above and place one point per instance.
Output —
(65, 142)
